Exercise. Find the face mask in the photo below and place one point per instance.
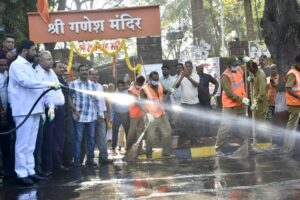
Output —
(154, 83)
(138, 87)
(234, 68)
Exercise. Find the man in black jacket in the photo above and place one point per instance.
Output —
(203, 87)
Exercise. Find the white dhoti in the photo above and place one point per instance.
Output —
(25, 144)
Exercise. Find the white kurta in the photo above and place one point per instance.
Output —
(54, 97)
(24, 88)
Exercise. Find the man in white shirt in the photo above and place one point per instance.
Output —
(101, 121)
(188, 84)
(168, 83)
(24, 89)
(53, 136)
(177, 93)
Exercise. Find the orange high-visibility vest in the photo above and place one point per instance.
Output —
(237, 87)
(134, 110)
(290, 100)
(154, 108)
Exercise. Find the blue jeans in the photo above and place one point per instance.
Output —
(78, 128)
(101, 139)
(118, 120)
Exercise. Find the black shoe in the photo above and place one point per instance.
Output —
(90, 163)
(25, 181)
(47, 174)
(37, 178)
(62, 168)
(77, 163)
(105, 161)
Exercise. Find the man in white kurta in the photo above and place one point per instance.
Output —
(51, 137)
(24, 89)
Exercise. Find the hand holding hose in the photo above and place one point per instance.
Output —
(55, 85)
(149, 117)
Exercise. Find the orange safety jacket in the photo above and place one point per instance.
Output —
(237, 87)
(156, 109)
(134, 110)
(290, 100)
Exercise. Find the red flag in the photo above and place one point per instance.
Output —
(42, 7)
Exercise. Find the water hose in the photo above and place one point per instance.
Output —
(27, 116)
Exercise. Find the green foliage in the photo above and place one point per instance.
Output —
(14, 17)
(234, 18)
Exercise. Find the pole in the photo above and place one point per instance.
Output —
(223, 49)
(246, 85)
(253, 120)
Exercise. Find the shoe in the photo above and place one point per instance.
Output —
(169, 156)
(220, 154)
(25, 181)
(114, 152)
(63, 168)
(90, 163)
(69, 164)
(105, 161)
(77, 163)
(187, 142)
(149, 158)
(47, 174)
(37, 178)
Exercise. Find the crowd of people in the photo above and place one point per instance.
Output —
(73, 116)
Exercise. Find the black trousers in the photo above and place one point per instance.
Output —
(7, 143)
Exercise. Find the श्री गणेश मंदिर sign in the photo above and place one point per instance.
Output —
(95, 24)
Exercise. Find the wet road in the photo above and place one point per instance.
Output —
(264, 176)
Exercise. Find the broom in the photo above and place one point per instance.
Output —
(132, 153)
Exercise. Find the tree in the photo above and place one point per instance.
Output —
(198, 20)
(14, 17)
(249, 20)
(281, 31)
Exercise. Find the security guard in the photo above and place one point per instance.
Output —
(136, 114)
(260, 104)
(234, 101)
(292, 96)
(156, 114)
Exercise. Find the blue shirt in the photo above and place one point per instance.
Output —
(87, 105)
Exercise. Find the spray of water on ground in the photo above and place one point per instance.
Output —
(196, 115)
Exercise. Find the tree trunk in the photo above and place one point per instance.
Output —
(198, 20)
(215, 37)
(281, 31)
(249, 20)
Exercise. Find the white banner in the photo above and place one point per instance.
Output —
(147, 69)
